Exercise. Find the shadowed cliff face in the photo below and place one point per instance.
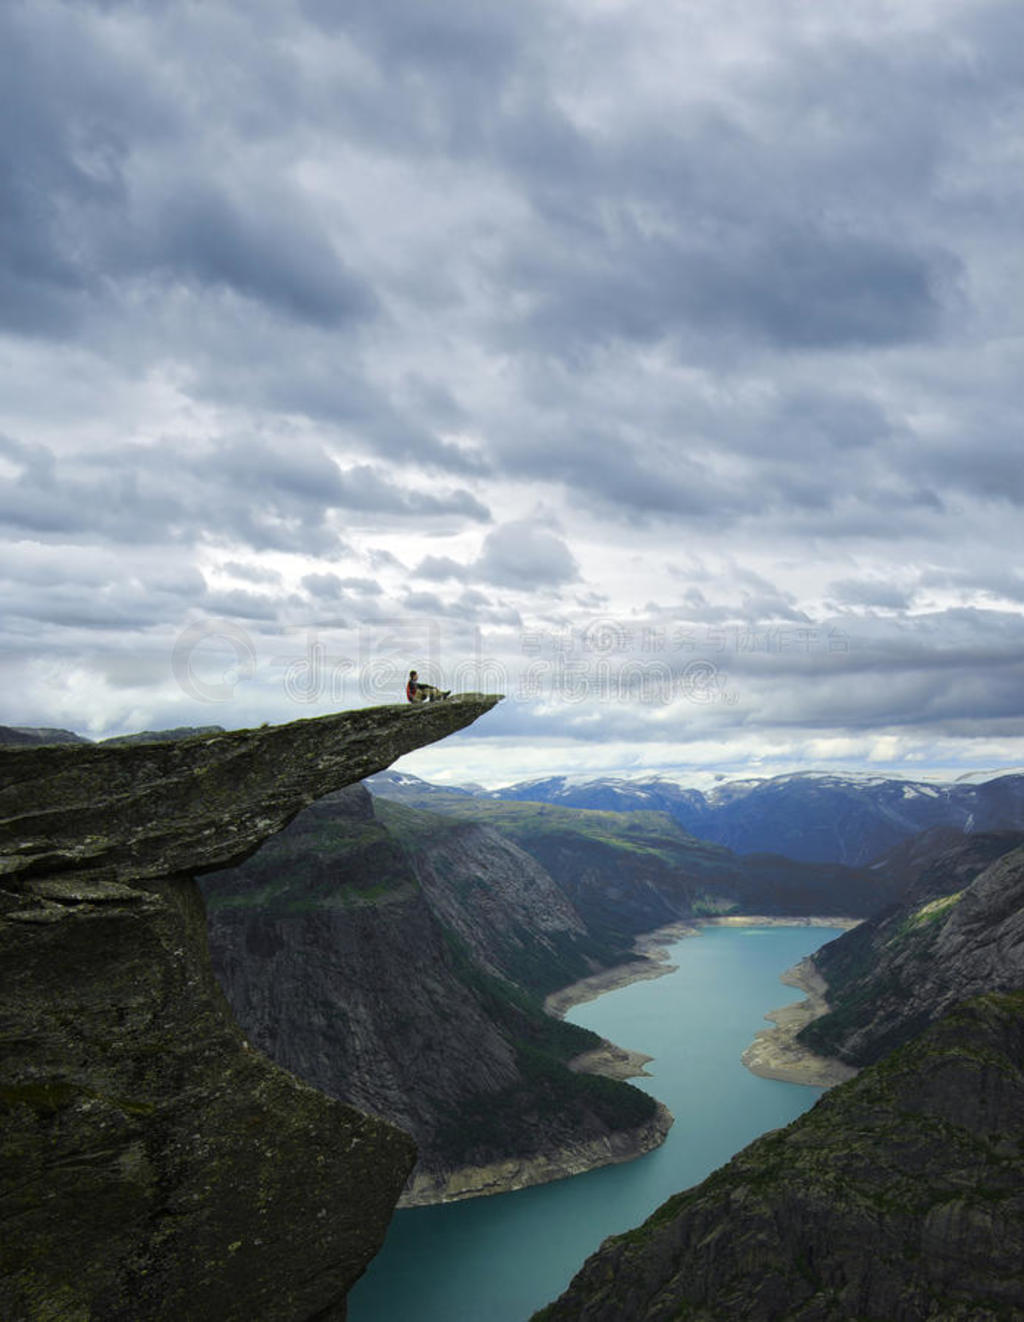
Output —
(387, 956)
(154, 1167)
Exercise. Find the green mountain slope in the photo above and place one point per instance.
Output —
(635, 871)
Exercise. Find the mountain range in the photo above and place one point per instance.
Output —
(810, 816)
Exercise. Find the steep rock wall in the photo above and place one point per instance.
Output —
(385, 963)
(154, 1165)
(961, 935)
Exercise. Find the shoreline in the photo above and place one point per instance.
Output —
(775, 1052)
(428, 1189)
(652, 951)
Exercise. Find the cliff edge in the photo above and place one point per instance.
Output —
(154, 1166)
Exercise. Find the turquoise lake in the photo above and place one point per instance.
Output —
(499, 1259)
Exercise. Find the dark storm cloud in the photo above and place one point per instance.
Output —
(236, 603)
(365, 587)
(790, 290)
(96, 591)
(751, 228)
(990, 468)
(613, 467)
(524, 555)
(739, 251)
(461, 50)
(260, 251)
(46, 189)
(906, 684)
(252, 573)
(84, 232)
(992, 580)
(862, 678)
(358, 595)
(325, 586)
(441, 567)
(363, 488)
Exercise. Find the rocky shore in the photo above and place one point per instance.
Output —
(775, 1053)
(425, 1189)
(652, 962)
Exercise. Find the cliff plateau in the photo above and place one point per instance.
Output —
(154, 1165)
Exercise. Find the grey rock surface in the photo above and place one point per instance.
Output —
(156, 1167)
(129, 811)
(961, 934)
(388, 957)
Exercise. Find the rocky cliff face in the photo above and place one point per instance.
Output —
(961, 933)
(898, 1198)
(384, 959)
(187, 806)
(155, 1167)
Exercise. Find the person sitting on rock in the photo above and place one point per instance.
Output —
(415, 691)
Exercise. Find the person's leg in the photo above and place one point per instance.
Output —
(433, 694)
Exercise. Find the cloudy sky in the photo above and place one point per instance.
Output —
(658, 364)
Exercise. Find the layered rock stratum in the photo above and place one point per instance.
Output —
(154, 1165)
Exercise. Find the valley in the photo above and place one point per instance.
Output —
(409, 956)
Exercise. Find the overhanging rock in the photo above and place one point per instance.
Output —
(155, 1168)
(127, 812)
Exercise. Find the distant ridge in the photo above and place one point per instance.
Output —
(815, 817)
(30, 736)
(806, 816)
(159, 736)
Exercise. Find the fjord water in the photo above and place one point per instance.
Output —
(499, 1259)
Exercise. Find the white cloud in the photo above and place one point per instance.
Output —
(510, 323)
